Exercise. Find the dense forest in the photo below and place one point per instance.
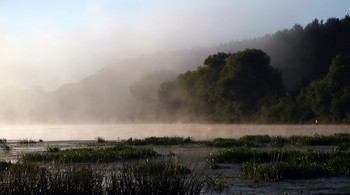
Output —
(243, 87)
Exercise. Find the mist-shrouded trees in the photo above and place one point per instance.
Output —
(329, 98)
(228, 87)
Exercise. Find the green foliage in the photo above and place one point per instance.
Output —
(243, 87)
(228, 88)
(106, 154)
(329, 98)
(159, 141)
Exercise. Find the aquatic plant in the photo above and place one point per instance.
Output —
(284, 170)
(105, 154)
(279, 141)
(242, 155)
(100, 140)
(149, 177)
(26, 141)
(228, 142)
(52, 149)
(159, 141)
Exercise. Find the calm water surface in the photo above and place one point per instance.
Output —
(125, 131)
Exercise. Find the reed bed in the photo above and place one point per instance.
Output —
(90, 155)
(27, 141)
(279, 141)
(274, 165)
(149, 177)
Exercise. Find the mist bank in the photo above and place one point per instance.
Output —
(129, 91)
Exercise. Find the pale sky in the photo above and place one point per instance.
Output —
(51, 42)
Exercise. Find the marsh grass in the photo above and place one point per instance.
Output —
(149, 177)
(3, 141)
(52, 149)
(284, 170)
(100, 140)
(279, 141)
(228, 142)
(26, 141)
(243, 155)
(275, 165)
(103, 154)
(159, 141)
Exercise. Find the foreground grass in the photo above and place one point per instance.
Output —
(150, 177)
(105, 154)
(159, 141)
(279, 141)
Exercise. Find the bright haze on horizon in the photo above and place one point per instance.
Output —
(49, 43)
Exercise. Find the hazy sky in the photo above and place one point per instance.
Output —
(52, 42)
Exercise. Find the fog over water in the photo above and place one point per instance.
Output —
(125, 131)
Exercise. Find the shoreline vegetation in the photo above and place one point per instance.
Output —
(132, 165)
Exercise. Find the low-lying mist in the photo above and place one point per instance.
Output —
(128, 91)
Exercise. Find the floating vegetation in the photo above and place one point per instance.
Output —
(105, 154)
(159, 141)
(52, 149)
(100, 140)
(275, 165)
(284, 170)
(279, 141)
(26, 141)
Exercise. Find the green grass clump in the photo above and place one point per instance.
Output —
(100, 140)
(228, 142)
(242, 155)
(26, 141)
(159, 141)
(52, 149)
(279, 141)
(106, 154)
(258, 139)
(320, 140)
(284, 170)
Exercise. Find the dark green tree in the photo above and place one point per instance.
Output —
(247, 78)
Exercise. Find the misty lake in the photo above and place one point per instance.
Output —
(83, 136)
(125, 131)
